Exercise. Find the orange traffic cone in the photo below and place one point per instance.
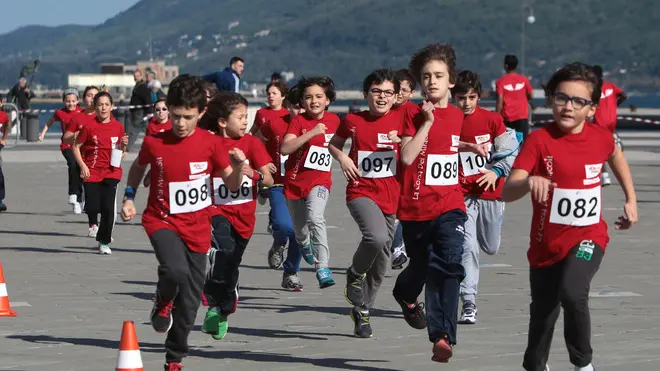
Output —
(129, 358)
(5, 309)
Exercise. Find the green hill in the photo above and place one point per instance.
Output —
(348, 39)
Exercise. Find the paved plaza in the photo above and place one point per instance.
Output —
(71, 302)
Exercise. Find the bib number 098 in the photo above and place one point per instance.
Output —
(191, 196)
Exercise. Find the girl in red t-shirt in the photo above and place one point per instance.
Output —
(372, 193)
(308, 176)
(561, 165)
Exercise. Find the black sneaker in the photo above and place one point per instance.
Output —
(3, 207)
(362, 326)
(161, 315)
(354, 291)
(276, 256)
(413, 314)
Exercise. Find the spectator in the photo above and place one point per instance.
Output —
(20, 94)
(228, 79)
(141, 96)
(275, 78)
(156, 91)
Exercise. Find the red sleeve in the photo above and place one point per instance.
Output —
(617, 90)
(259, 119)
(608, 140)
(498, 87)
(220, 156)
(82, 136)
(410, 124)
(145, 156)
(56, 116)
(4, 118)
(294, 127)
(259, 154)
(497, 125)
(346, 127)
(529, 154)
(528, 85)
(74, 124)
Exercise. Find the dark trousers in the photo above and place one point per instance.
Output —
(2, 180)
(75, 183)
(100, 199)
(566, 283)
(134, 127)
(227, 248)
(180, 278)
(521, 126)
(435, 249)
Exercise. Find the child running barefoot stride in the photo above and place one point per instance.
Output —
(308, 171)
(561, 165)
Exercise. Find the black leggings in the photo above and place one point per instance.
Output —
(75, 183)
(100, 198)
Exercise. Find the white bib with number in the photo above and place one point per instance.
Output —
(283, 159)
(318, 158)
(441, 170)
(472, 162)
(576, 207)
(190, 196)
(377, 164)
(222, 196)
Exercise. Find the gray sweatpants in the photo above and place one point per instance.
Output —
(308, 217)
(373, 253)
(482, 232)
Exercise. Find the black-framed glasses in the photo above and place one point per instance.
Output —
(562, 99)
(387, 93)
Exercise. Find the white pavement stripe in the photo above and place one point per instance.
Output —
(129, 359)
(494, 265)
(15, 304)
(611, 294)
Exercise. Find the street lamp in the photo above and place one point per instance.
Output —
(527, 17)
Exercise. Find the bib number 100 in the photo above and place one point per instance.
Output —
(442, 170)
(191, 196)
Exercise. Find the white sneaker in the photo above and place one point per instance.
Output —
(93, 230)
(469, 315)
(399, 258)
(605, 179)
(77, 208)
(588, 367)
(104, 249)
(72, 199)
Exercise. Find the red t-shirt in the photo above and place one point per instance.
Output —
(154, 127)
(375, 156)
(572, 212)
(78, 121)
(311, 165)
(407, 107)
(63, 116)
(513, 89)
(240, 207)
(264, 115)
(430, 185)
(4, 120)
(273, 132)
(482, 126)
(98, 141)
(606, 111)
(181, 172)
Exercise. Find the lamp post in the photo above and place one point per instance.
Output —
(527, 17)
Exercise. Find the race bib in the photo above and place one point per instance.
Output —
(222, 196)
(377, 164)
(318, 158)
(472, 162)
(283, 159)
(441, 170)
(190, 196)
(576, 207)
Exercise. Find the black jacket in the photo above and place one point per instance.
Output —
(141, 95)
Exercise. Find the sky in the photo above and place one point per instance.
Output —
(13, 13)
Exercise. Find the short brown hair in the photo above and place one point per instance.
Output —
(439, 52)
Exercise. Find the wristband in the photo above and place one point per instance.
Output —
(129, 193)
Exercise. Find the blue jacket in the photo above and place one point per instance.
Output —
(225, 80)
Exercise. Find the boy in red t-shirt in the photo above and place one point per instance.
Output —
(4, 131)
(514, 92)
(560, 165)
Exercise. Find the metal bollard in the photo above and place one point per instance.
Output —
(32, 134)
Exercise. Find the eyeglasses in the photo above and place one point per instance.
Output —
(387, 93)
(161, 109)
(405, 91)
(562, 99)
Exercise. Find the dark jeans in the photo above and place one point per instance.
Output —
(100, 197)
(227, 248)
(566, 283)
(180, 278)
(521, 126)
(435, 249)
(2, 180)
(75, 183)
(283, 229)
(134, 127)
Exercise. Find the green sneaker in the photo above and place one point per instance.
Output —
(215, 324)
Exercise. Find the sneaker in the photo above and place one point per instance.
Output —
(354, 291)
(413, 314)
(77, 208)
(362, 325)
(173, 366)
(605, 179)
(547, 368)
(276, 256)
(73, 199)
(215, 323)
(442, 351)
(269, 229)
(3, 207)
(324, 276)
(161, 315)
(468, 314)
(93, 230)
(307, 252)
(291, 282)
(399, 258)
(261, 199)
(588, 367)
(104, 249)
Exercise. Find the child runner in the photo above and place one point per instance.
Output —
(93, 150)
(308, 171)
(233, 213)
(482, 179)
(63, 116)
(176, 217)
(372, 193)
(514, 93)
(561, 165)
(404, 105)
(4, 131)
(161, 120)
(432, 210)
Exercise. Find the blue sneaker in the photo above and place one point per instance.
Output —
(307, 253)
(324, 276)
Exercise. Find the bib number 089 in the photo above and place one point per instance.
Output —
(442, 170)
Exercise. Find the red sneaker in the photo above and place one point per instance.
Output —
(442, 351)
(173, 366)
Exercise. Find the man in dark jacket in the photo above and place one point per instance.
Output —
(141, 96)
(228, 79)
(20, 94)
